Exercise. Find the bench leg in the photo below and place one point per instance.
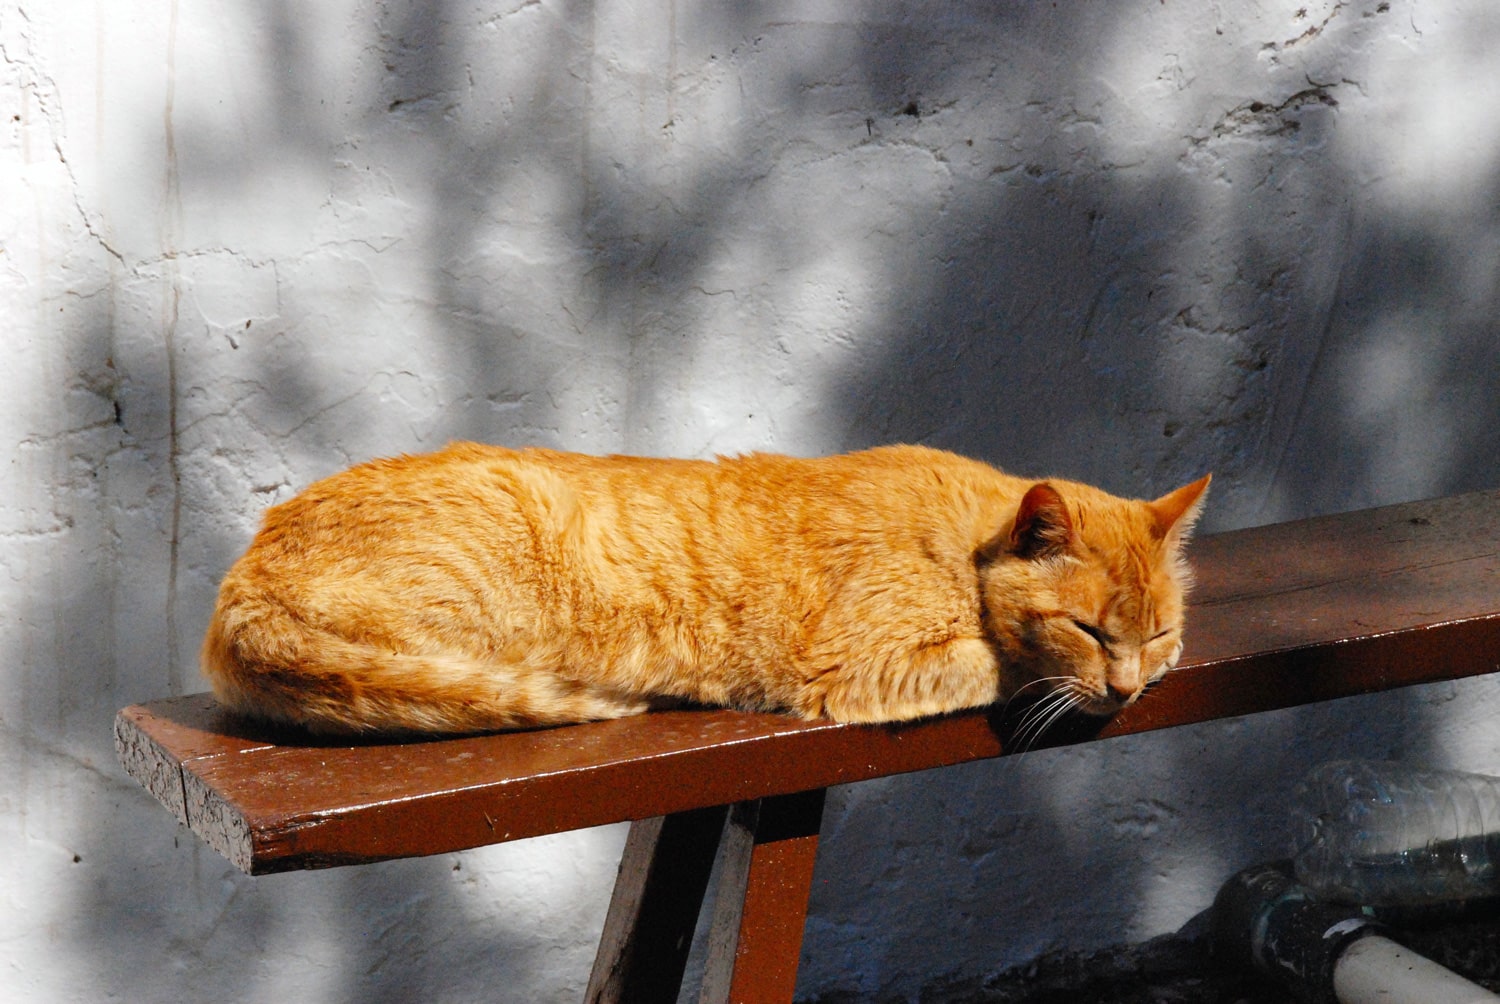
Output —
(657, 898)
(755, 940)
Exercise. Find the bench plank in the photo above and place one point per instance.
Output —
(1283, 615)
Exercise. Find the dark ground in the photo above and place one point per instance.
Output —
(1179, 969)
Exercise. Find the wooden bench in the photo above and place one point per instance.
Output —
(1282, 615)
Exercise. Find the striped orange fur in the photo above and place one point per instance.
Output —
(482, 588)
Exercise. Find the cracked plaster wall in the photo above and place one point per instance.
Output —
(245, 244)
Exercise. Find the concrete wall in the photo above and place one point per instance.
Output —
(247, 243)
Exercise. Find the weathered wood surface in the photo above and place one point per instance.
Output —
(1282, 615)
(648, 931)
(754, 942)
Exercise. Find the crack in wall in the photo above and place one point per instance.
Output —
(172, 229)
(1265, 120)
(42, 89)
(471, 311)
(1314, 30)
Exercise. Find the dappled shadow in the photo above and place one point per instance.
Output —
(1024, 232)
(1135, 329)
(279, 376)
(1414, 370)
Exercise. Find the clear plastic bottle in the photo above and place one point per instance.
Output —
(1375, 833)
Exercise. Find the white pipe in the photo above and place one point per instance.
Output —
(1376, 970)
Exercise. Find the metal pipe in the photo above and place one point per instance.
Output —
(1376, 970)
(1325, 953)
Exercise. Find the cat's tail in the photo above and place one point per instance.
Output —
(271, 665)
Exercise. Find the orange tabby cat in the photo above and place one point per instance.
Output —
(484, 588)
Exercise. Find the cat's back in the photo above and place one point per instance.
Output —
(476, 498)
(764, 504)
(905, 495)
(476, 502)
(465, 477)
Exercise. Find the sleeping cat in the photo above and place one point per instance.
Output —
(482, 588)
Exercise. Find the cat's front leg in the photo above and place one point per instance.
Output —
(909, 683)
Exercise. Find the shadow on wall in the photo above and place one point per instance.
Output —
(1410, 360)
(225, 396)
(1318, 355)
(149, 909)
(1060, 300)
(1247, 307)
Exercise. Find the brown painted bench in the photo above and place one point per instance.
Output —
(1282, 615)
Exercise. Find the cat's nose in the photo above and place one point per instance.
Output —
(1119, 694)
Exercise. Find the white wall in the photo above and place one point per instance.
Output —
(246, 243)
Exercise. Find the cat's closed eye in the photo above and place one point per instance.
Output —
(1104, 641)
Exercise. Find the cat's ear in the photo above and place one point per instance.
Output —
(1176, 512)
(1043, 526)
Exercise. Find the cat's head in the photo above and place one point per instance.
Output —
(1084, 592)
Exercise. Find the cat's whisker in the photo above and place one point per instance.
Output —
(1033, 715)
(1070, 700)
(1148, 688)
(1039, 681)
(1036, 728)
(1041, 717)
(1045, 699)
